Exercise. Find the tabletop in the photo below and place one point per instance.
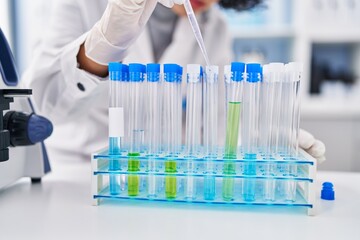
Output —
(60, 208)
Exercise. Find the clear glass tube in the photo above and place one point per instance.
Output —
(179, 110)
(171, 120)
(193, 123)
(234, 99)
(117, 75)
(267, 109)
(153, 122)
(210, 124)
(136, 110)
(293, 75)
(276, 75)
(250, 127)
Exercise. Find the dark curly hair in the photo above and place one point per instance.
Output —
(239, 5)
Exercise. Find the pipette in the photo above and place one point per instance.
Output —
(196, 29)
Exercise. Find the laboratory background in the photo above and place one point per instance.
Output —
(322, 34)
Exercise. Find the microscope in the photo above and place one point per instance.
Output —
(22, 132)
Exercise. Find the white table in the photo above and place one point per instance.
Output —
(60, 208)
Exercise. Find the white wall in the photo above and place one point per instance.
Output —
(32, 19)
(5, 19)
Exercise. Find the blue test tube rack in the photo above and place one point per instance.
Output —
(301, 183)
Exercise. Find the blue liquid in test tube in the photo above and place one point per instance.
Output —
(118, 74)
(210, 118)
(250, 128)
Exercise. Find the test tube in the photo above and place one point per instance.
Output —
(249, 127)
(153, 122)
(179, 110)
(227, 81)
(117, 75)
(210, 119)
(171, 119)
(234, 101)
(193, 123)
(293, 73)
(276, 75)
(267, 94)
(136, 77)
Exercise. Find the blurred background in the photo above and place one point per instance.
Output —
(323, 34)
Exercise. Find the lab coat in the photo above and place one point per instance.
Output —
(80, 117)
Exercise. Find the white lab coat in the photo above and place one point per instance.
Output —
(80, 117)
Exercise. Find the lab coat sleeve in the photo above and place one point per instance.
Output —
(62, 91)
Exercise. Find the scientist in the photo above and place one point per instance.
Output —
(69, 70)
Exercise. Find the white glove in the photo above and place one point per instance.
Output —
(120, 25)
(312, 146)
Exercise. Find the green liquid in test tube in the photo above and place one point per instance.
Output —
(234, 103)
(231, 144)
(133, 180)
(170, 181)
(172, 125)
(136, 76)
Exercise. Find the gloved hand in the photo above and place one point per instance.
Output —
(120, 25)
(312, 146)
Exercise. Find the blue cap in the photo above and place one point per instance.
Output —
(180, 73)
(171, 68)
(237, 71)
(254, 72)
(327, 192)
(153, 67)
(171, 71)
(136, 72)
(118, 71)
(114, 66)
(153, 72)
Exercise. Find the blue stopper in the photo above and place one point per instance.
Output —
(137, 67)
(237, 71)
(136, 72)
(327, 192)
(238, 67)
(180, 73)
(153, 67)
(153, 72)
(171, 68)
(114, 66)
(254, 72)
(171, 72)
(118, 71)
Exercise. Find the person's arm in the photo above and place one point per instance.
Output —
(89, 65)
(67, 70)
(61, 90)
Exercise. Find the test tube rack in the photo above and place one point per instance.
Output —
(151, 173)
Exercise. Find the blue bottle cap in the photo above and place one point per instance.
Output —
(171, 68)
(136, 72)
(238, 67)
(327, 192)
(237, 71)
(171, 72)
(180, 73)
(114, 66)
(118, 71)
(153, 72)
(137, 67)
(181, 70)
(254, 72)
(153, 67)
